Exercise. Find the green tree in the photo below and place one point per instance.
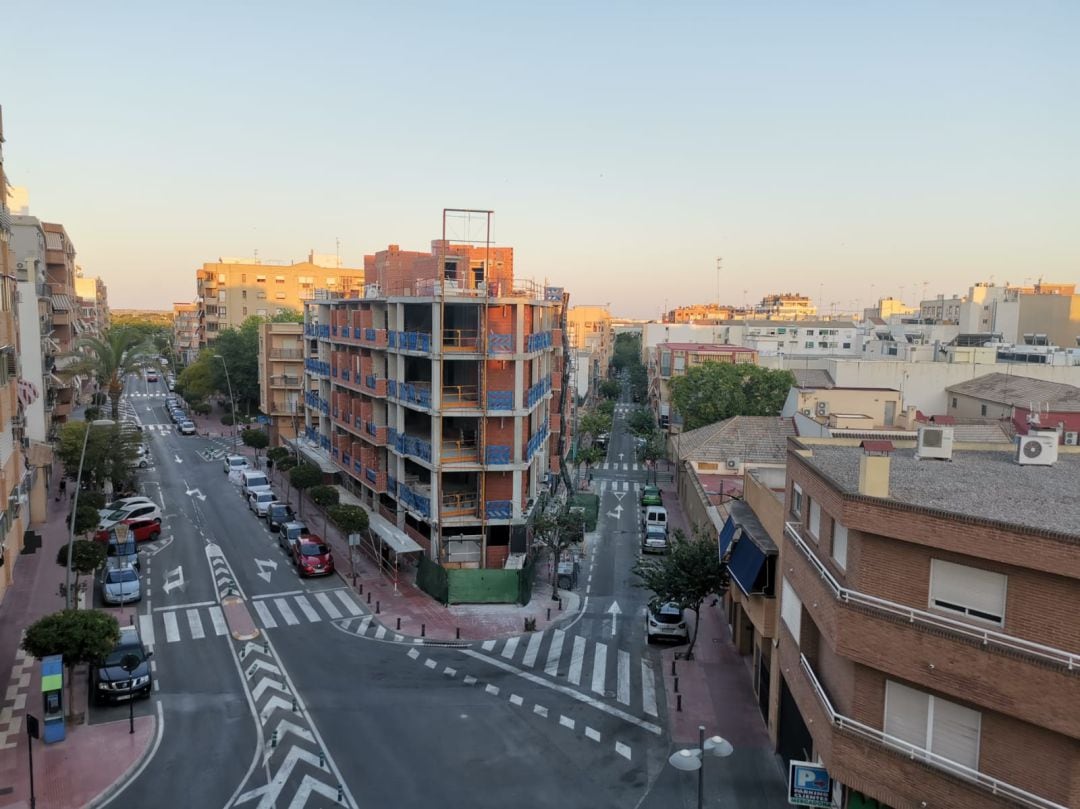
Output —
(689, 573)
(610, 389)
(715, 391)
(110, 452)
(627, 351)
(324, 496)
(255, 438)
(86, 556)
(197, 381)
(556, 533)
(594, 423)
(641, 421)
(109, 358)
(592, 456)
(302, 477)
(287, 316)
(81, 636)
(349, 519)
(277, 454)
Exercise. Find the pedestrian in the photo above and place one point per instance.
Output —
(62, 490)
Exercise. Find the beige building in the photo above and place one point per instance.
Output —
(232, 290)
(281, 378)
(93, 303)
(186, 332)
(592, 342)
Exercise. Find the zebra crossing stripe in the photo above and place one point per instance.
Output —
(623, 693)
(328, 605)
(380, 633)
(146, 629)
(172, 631)
(217, 618)
(576, 659)
(487, 645)
(364, 624)
(510, 648)
(286, 612)
(554, 653)
(195, 625)
(307, 609)
(351, 606)
(599, 671)
(533, 649)
(267, 619)
(648, 688)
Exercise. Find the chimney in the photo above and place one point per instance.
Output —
(874, 468)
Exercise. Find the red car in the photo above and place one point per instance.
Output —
(142, 530)
(312, 556)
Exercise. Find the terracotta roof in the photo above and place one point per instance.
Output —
(878, 446)
(812, 378)
(748, 439)
(1021, 391)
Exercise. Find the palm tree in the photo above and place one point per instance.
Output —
(109, 358)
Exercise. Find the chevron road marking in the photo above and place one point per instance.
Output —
(307, 786)
(284, 727)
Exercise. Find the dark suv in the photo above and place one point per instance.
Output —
(114, 683)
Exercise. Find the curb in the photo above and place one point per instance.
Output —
(107, 794)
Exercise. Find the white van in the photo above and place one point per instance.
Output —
(654, 515)
(252, 479)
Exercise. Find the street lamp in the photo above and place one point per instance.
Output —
(692, 759)
(232, 399)
(75, 505)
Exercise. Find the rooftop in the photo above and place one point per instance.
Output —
(1021, 391)
(984, 484)
(719, 347)
(747, 439)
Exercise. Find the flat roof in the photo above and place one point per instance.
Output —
(984, 484)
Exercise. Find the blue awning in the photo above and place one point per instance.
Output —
(747, 561)
(727, 533)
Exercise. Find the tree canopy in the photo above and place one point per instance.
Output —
(81, 636)
(349, 519)
(714, 391)
(239, 348)
(110, 357)
(110, 452)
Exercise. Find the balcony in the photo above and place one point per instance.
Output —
(500, 343)
(537, 341)
(415, 393)
(537, 392)
(374, 385)
(414, 500)
(375, 433)
(371, 338)
(1026, 680)
(409, 341)
(411, 445)
(461, 396)
(286, 353)
(498, 455)
(460, 341)
(285, 381)
(500, 400)
(457, 505)
(460, 452)
(536, 442)
(317, 367)
(499, 509)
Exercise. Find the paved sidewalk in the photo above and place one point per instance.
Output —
(93, 759)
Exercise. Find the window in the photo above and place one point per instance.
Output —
(260, 279)
(931, 723)
(982, 410)
(839, 544)
(680, 362)
(221, 278)
(790, 609)
(968, 590)
(847, 345)
(810, 332)
(279, 295)
(243, 294)
(330, 282)
(954, 401)
(796, 499)
(809, 344)
(243, 278)
(245, 311)
(279, 279)
(815, 519)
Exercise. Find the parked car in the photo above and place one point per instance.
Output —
(124, 553)
(253, 479)
(601, 441)
(149, 511)
(125, 502)
(666, 622)
(651, 496)
(186, 428)
(289, 532)
(654, 515)
(142, 456)
(312, 556)
(235, 463)
(259, 501)
(278, 513)
(112, 682)
(120, 583)
(655, 540)
(151, 376)
(143, 529)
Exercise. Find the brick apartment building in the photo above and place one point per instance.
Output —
(186, 332)
(437, 394)
(281, 378)
(928, 649)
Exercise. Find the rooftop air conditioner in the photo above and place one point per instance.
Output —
(823, 408)
(1037, 448)
(732, 463)
(807, 411)
(1072, 439)
(935, 442)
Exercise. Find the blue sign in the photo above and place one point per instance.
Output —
(809, 784)
(263, 419)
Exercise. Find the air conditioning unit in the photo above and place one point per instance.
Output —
(1037, 448)
(822, 408)
(733, 463)
(935, 442)
(807, 411)
(1072, 439)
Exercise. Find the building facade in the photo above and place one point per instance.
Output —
(231, 290)
(186, 332)
(667, 361)
(927, 642)
(281, 379)
(437, 395)
(62, 391)
(591, 339)
(93, 301)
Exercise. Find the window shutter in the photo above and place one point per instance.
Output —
(906, 712)
(954, 733)
(976, 592)
(839, 544)
(791, 609)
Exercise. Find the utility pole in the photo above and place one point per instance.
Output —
(719, 261)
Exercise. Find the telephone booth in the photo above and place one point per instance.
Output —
(52, 690)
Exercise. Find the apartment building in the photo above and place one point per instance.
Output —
(698, 313)
(231, 290)
(93, 303)
(437, 396)
(786, 306)
(62, 393)
(592, 342)
(186, 332)
(928, 646)
(281, 379)
(665, 361)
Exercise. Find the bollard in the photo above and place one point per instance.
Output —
(369, 598)
(295, 707)
(266, 647)
(273, 739)
(340, 793)
(457, 633)
(361, 585)
(678, 702)
(423, 630)
(549, 613)
(322, 759)
(673, 667)
(560, 605)
(377, 608)
(676, 685)
(399, 624)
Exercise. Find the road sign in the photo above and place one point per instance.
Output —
(809, 784)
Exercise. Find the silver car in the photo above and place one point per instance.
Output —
(259, 500)
(120, 584)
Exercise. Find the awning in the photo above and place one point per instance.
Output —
(57, 381)
(61, 302)
(747, 562)
(66, 361)
(726, 535)
(78, 325)
(394, 538)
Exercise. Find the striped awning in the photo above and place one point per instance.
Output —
(61, 302)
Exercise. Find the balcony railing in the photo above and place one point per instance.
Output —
(409, 341)
(500, 400)
(411, 445)
(499, 509)
(414, 500)
(500, 343)
(537, 341)
(285, 381)
(286, 353)
(986, 637)
(459, 504)
(461, 396)
(536, 441)
(418, 393)
(854, 727)
(538, 391)
(460, 452)
(317, 367)
(461, 340)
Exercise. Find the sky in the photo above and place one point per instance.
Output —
(845, 150)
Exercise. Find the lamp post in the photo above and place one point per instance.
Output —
(232, 399)
(75, 506)
(692, 759)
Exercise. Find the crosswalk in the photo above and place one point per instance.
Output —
(599, 669)
(163, 429)
(614, 466)
(197, 622)
(619, 486)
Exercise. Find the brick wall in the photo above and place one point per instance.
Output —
(500, 431)
(496, 555)
(499, 486)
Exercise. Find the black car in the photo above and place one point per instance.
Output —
(113, 682)
(277, 514)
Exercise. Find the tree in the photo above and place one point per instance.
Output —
(86, 518)
(324, 496)
(109, 358)
(287, 316)
(304, 476)
(714, 391)
(110, 452)
(594, 423)
(627, 351)
(689, 573)
(278, 454)
(610, 389)
(86, 556)
(349, 519)
(557, 532)
(81, 636)
(258, 439)
(641, 421)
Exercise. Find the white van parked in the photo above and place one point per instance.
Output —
(654, 515)
(252, 479)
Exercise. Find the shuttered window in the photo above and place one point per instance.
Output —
(791, 609)
(839, 544)
(815, 519)
(968, 590)
(931, 723)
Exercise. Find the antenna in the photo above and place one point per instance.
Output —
(337, 251)
(719, 261)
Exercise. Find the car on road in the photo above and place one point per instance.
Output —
(651, 496)
(278, 513)
(151, 376)
(141, 530)
(259, 501)
(235, 463)
(655, 540)
(142, 456)
(186, 428)
(120, 584)
(289, 532)
(112, 682)
(149, 511)
(312, 556)
(666, 622)
(601, 441)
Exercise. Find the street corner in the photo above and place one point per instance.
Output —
(238, 617)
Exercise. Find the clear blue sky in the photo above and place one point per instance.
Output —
(816, 146)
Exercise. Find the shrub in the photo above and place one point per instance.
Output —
(286, 463)
(278, 454)
(202, 408)
(324, 496)
(93, 499)
(92, 413)
(227, 420)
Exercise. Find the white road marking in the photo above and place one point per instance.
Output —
(146, 629)
(172, 631)
(413, 653)
(648, 688)
(510, 648)
(380, 633)
(532, 649)
(599, 670)
(470, 680)
(491, 689)
(286, 611)
(364, 624)
(566, 721)
(267, 619)
(623, 750)
(554, 653)
(487, 645)
(309, 611)
(449, 672)
(516, 700)
(576, 659)
(347, 601)
(430, 663)
(195, 625)
(592, 734)
(624, 677)
(540, 710)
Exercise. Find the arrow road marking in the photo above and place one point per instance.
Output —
(263, 564)
(615, 612)
(173, 579)
(619, 495)
(177, 457)
(195, 492)
(621, 455)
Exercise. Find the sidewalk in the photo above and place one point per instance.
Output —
(93, 759)
(419, 614)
